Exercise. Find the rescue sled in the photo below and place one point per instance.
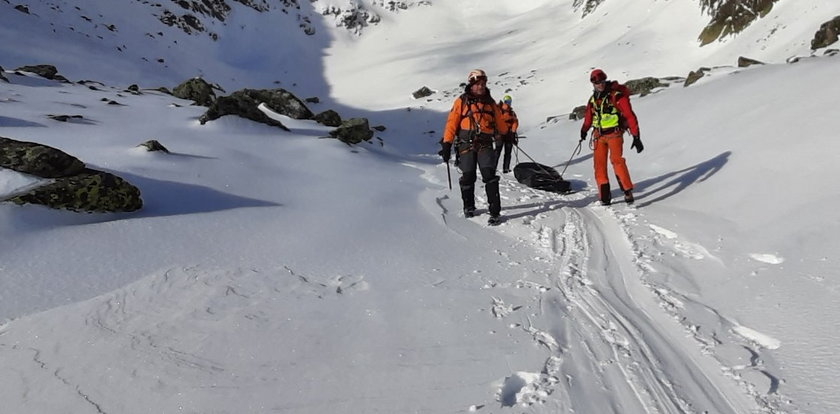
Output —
(541, 177)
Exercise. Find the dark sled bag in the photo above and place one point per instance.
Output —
(541, 177)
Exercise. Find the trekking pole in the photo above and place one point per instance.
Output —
(576, 152)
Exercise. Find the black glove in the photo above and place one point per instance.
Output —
(583, 134)
(445, 151)
(637, 144)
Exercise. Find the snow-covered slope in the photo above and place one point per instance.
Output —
(274, 271)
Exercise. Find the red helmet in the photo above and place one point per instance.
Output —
(597, 76)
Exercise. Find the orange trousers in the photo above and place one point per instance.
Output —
(613, 145)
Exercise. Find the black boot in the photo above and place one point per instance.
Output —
(628, 197)
(494, 199)
(606, 198)
(469, 212)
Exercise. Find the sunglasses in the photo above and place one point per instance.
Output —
(476, 79)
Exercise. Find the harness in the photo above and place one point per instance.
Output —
(606, 115)
(473, 139)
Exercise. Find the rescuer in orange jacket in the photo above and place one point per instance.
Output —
(609, 113)
(474, 124)
(509, 139)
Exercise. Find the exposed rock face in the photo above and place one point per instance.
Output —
(153, 145)
(731, 16)
(695, 76)
(240, 105)
(74, 187)
(328, 118)
(196, 90)
(643, 86)
(744, 62)
(728, 17)
(245, 103)
(45, 71)
(281, 101)
(353, 131)
(90, 191)
(577, 113)
(36, 159)
(827, 34)
(2, 76)
(422, 93)
(588, 6)
(356, 16)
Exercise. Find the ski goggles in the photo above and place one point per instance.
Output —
(477, 78)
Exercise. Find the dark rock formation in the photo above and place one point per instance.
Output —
(196, 90)
(328, 118)
(422, 93)
(36, 159)
(744, 62)
(353, 131)
(154, 145)
(827, 34)
(89, 191)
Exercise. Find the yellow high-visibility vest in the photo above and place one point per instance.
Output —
(601, 119)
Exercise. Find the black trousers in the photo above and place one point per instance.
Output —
(507, 147)
(483, 159)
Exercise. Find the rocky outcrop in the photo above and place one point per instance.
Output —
(744, 62)
(45, 71)
(422, 93)
(154, 145)
(588, 6)
(36, 159)
(730, 17)
(196, 90)
(577, 113)
(239, 105)
(695, 76)
(245, 103)
(353, 131)
(91, 191)
(73, 187)
(191, 15)
(328, 118)
(356, 16)
(2, 76)
(827, 34)
(643, 86)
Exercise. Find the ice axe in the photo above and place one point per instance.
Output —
(448, 175)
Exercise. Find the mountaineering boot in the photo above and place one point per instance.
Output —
(628, 197)
(494, 220)
(469, 212)
(604, 192)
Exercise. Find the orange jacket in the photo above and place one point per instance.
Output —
(469, 112)
(509, 117)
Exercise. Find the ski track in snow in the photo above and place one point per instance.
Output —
(606, 328)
